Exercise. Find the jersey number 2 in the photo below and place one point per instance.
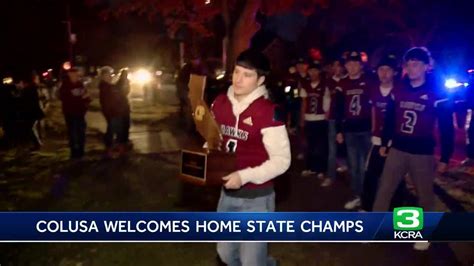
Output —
(410, 121)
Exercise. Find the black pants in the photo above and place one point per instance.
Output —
(126, 128)
(115, 134)
(76, 127)
(316, 133)
(373, 174)
(294, 110)
(19, 132)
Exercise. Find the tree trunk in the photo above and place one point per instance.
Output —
(243, 31)
(225, 42)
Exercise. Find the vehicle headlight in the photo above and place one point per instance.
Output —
(8, 80)
(142, 76)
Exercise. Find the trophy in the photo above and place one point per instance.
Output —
(205, 166)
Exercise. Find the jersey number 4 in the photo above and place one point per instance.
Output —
(410, 121)
(355, 106)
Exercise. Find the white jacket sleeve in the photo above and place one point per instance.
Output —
(277, 145)
(326, 100)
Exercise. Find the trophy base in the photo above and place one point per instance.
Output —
(206, 168)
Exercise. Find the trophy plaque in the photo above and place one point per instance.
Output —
(205, 166)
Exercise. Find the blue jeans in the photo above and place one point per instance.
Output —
(358, 147)
(332, 150)
(245, 253)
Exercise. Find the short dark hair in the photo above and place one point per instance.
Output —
(254, 60)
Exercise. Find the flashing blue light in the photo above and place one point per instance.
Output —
(451, 84)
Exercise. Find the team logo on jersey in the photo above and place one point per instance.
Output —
(248, 121)
(424, 97)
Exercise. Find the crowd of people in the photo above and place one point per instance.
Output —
(367, 115)
(23, 105)
(386, 122)
(25, 102)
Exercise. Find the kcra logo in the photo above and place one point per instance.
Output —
(407, 223)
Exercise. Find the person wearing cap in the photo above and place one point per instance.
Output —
(338, 73)
(315, 106)
(252, 130)
(410, 125)
(294, 81)
(301, 76)
(353, 122)
(75, 102)
(380, 98)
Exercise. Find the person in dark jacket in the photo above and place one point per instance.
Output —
(410, 124)
(115, 108)
(21, 111)
(193, 67)
(34, 111)
(75, 102)
(123, 85)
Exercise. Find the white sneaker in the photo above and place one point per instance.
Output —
(307, 173)
(341, 169)
(350, 205)
(421, 246)
(468, 162)
(326, 183)
(300, 156)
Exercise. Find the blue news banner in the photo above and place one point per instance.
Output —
(404, 224)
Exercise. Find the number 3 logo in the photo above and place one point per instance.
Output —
(408, 218)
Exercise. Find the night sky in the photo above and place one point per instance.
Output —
(34, 35)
